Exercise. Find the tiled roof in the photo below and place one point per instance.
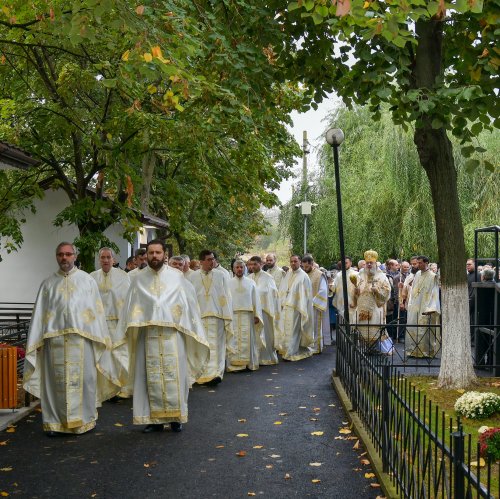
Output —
(14, 156)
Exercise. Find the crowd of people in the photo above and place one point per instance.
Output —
(151, 331)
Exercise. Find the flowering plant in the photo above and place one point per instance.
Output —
(477, 405)
(489, 443)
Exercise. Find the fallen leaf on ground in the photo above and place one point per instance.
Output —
(277, 422)
(315, 464)
(345, 431)
(302, 407)
(313, 419)
(481, 463)
(10, 429)
(242, 420)
(312, 396)
(357, 469)
(146, 465)
(4, 442)
(277, 387)
(9, 468)
(283, 414)
(331, 405)
(211, 391)
(269, 466)
(118, 424)
(219, 446)
(375, 485)
(339, 438)
(365, 461)
(315, 480)
(251, 494)
(287, 476)
(369, 475)
(317, 433)
(275, 456)
(242, 435)
(211, 458)
(256, 408)
(269, 379)
(269, 396)
(364, 454)
(345, 422)
(258, 446)
(94, 462)
(356, 445)
(317, 409)
(241, 453)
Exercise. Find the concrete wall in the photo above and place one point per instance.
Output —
(22, 272)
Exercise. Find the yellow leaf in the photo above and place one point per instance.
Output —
(156, 52)
(475, 74)
(366, 5)
(275, 456)
(125, 55)
(316, 409)
(152, 89)
(369, 475)
(277, 422)
(139, 10)
(315, 480)
(4, 494)
(480, 464)
(287, 476)
(375, 485)
(232, 200)
(315, 464)
(268, 396)
(9, 468)
(365, 461)
(356, 445)
(147, 57)
(461, 390)
(251, 493)
(146, 465)
(269, 466)
(283, 414)
(317, 433)
(219, 446)
(118, 424)
(4, 442)
(313, 419)
(241, 435)
(241, 453)
(242, 420)
(11, 429)
(345, 431)
(258, 446)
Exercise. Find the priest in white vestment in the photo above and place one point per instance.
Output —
(424, 310)
(68, 362)
(214, 299)
(269, 301)
(273, 269)
(338, 292)
(372, 292)
(248, 335)
(171, 350)
(296, 335)
(113, 284)
(321, 318)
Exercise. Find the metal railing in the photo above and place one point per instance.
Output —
(426, 453)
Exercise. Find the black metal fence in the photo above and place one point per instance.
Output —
(425, 453)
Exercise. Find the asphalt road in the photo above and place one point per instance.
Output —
(208, 459)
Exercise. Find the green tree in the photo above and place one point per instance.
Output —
(436, 65)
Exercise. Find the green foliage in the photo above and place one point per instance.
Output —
(386, 198)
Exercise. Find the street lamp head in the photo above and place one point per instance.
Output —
(334, 136)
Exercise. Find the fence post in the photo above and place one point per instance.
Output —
(386, 374)
(458, 460)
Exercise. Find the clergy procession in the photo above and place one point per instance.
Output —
(152, 331)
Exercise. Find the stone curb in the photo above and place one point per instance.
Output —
(9, 418)
(376, 462)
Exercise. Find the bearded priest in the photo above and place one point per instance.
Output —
(248, 335)
(296, 335)
(171, 350)
(68, 363)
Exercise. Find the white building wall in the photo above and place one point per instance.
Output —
(22, 271)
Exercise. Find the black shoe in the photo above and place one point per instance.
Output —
(53, 434)
(151, 428)
(175, 426)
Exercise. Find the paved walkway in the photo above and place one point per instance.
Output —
(252, 435)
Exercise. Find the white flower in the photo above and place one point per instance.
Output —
(482, 429)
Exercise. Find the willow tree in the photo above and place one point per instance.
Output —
(436, 65)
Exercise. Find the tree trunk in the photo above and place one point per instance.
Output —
(148, 168)
(436, 156)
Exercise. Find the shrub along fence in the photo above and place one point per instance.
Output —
(426, 454)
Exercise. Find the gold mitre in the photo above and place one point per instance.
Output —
(371, 256)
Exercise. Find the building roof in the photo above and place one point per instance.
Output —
(14, 156)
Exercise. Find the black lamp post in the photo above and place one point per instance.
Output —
(335, 137)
